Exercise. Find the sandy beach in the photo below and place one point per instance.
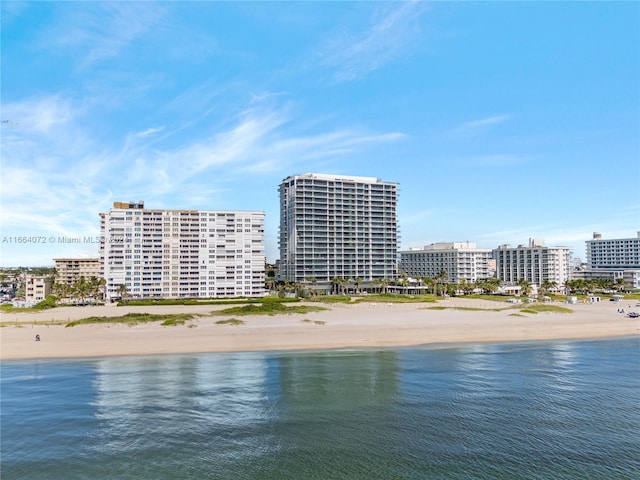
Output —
(368, 325)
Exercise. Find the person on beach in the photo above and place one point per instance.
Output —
(37, 338)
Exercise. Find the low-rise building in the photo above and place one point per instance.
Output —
(69, 270)
(37, 288)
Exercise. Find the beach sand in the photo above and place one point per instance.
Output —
(368, 325)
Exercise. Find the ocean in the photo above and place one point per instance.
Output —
(537, 410)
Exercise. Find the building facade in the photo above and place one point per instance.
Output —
(534, 263)
(37, 288)
(335, 226)
(460, 261)
(69, 270)
(614, 259)
(182, 253)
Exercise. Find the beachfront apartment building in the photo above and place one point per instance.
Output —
(337, 226)
(534, 263)
(37, 288)
(460, 261)
(69, 270)
(614, 259)
(181, 253)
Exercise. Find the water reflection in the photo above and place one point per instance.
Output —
(234, 400)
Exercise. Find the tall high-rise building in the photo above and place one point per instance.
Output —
(338, 226)
(182, 253)
(534, 263)
(460, 261)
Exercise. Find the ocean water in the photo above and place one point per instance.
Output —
(552, 410)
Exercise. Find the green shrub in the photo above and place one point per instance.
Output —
(230, 321)
(49, 302)
(270, 308)
(135, 318)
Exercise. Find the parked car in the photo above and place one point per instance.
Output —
(633, 315)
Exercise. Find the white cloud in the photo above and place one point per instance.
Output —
(477, 127)
(148, 132)
(103, 30)
(353, 56)
(38, 115)
(58, 174)
(257, 142)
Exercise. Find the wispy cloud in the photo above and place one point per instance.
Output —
(258, 141)
(106, 29)
(477, 127)
(354, 55)
(50, 169)
(149, 132)
(39, 115)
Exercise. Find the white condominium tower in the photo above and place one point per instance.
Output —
(534, 263)
(182, 253)
(618, 253)
(337, 226)
(460, 261)
(615, 259)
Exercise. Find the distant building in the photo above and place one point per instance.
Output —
(37, 288)
(460, 261)
(534, 263)
(69, 270)
(614, 259)
(337, 226)
(182, 253)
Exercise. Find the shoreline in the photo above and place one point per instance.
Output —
(346, 349)
(366, 326)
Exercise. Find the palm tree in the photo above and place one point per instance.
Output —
(547, 285)
(434, 284)
(97, 287)
(384, 283)
(357, 281)
(309, 291)
(620, 284)
(335, 285)
(270, 284)
(466, 286)
(81, 289)
(525, 286)
(443, 278)
(62, 290)
(123, 292)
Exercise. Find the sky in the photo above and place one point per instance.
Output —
(500, 121)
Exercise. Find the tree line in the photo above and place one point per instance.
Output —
(82, 290)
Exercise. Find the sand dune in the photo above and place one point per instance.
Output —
(381, 325)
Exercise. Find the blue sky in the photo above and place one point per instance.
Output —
(501, 121)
